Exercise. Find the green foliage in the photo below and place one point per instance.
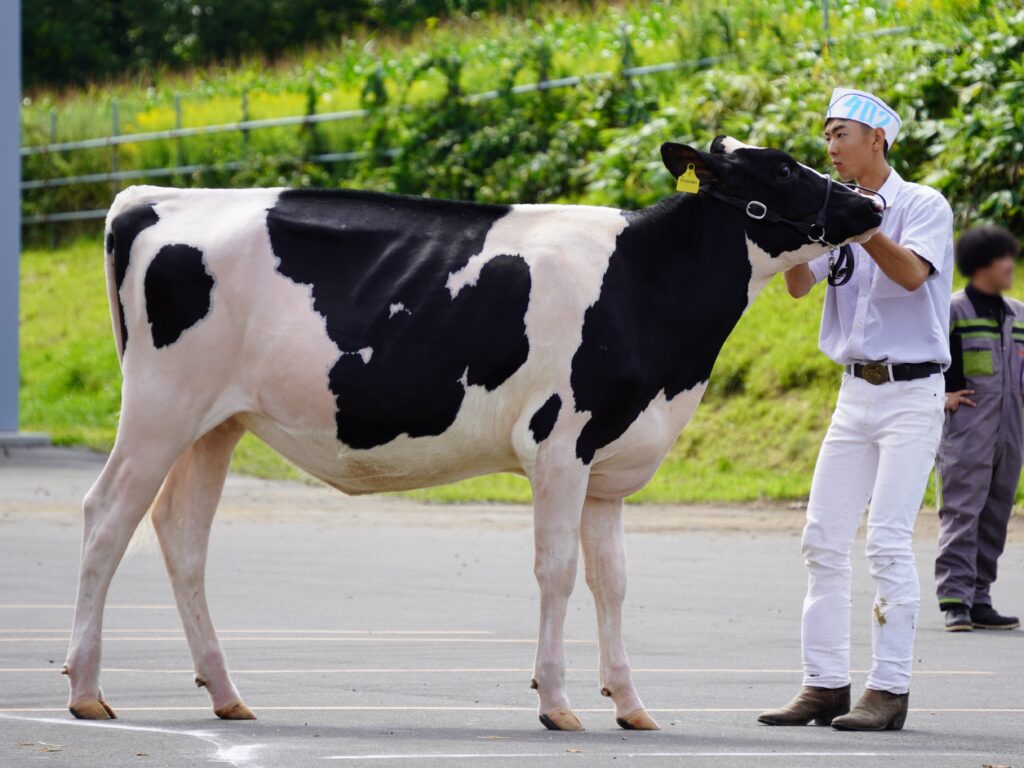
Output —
(73, 41)
(957, 78)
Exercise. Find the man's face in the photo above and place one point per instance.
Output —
(850, 147)
(997, 276)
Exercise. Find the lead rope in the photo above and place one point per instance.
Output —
(840, 270)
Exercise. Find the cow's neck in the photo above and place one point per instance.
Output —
(708, 239)
(675, 286)
(691, 256)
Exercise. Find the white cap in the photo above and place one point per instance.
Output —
(863, 107)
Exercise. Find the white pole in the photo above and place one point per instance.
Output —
(10, 222)
(10, 213)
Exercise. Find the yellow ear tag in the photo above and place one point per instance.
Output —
(688, 182)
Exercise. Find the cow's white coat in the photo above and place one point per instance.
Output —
(260, 361)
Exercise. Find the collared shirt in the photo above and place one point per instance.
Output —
(873, 318)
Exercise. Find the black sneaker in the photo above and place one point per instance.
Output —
(958, 619)
(987, 617)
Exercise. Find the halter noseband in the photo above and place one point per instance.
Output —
(813, 228)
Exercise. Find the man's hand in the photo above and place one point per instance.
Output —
(955, 399)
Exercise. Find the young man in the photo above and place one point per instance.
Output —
(885, 320)
(980, 453)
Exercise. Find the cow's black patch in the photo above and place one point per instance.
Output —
(178, 288)
(402, 371)
(543, 421)
(674, 289)
(124, 228)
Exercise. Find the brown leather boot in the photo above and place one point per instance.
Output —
(876, 711)
(817, 704)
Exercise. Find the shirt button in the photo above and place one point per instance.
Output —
(857, 325)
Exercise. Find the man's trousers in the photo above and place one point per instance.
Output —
(880, 448)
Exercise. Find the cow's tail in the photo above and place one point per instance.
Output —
(116, 258)
(110, 260)
(113, 297)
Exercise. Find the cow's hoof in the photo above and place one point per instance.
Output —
(92, 709)
(638, 720)
(561, 720)
(236, 711)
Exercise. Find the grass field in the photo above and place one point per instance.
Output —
(755, 436)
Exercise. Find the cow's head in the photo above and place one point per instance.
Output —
(792, 213)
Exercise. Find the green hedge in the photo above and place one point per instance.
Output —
(956, 78)
(71, 42)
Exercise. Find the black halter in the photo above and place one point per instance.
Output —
(839, 270)
(813, 228)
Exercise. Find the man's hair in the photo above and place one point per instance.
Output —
(980, 246)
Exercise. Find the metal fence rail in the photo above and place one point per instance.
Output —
(180, 170)
(243, 126)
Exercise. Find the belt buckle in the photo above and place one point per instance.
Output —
(875, 373)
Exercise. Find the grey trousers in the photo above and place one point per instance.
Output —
(979, 482)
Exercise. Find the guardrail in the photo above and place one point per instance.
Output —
(241, 126)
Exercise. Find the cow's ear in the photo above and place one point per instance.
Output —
(678, 156)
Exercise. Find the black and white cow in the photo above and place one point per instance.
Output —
(383, 343)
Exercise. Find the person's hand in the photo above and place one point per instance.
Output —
(955, 399)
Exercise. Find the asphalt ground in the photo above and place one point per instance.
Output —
(379, 631)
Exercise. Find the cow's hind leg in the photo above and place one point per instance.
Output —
(604, 555)
(182, 516)
(150, 437)
(558, 493)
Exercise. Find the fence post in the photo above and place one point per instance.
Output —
(115, 129)
(177, 126)
(628, 61)
(54, 231)
(825, 21)
(245, 116)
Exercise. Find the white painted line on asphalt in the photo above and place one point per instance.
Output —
(170, 630)
(133, 606)
(461, 756)
(470, 670)
(306, 639)
(233, 754)
(478, 708)
(738, 671)
(570, 755)
(908, 753)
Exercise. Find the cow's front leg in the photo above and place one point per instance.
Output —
(558, 493)
(604, 554)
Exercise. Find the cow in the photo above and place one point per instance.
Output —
(384, 343)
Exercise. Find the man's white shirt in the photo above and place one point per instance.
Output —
(873, 318)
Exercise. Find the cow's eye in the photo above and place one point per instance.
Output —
(785, 171)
